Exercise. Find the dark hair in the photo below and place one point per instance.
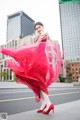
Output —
(38, 23)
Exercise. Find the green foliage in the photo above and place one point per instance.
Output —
(61, 79)
(70, 76)
(4, 74)
(14, 77)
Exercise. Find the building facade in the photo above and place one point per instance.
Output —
(70, 29)
(73, 70)
(70, 71)
(19, 25)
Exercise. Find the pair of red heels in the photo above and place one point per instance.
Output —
(51, 107)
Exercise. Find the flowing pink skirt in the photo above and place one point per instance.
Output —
(32, 67)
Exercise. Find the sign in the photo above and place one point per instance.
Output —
(3, 116)
(69, 1)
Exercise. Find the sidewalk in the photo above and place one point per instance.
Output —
(16, 85)
(67, 111)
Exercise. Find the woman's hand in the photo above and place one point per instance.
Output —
(42, 37)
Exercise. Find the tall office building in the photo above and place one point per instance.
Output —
(70, 28)
(19, 25)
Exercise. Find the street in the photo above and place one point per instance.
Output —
(14, 101)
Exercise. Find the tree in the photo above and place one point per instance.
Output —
(4, 74)
(61, 78)
(70, 76)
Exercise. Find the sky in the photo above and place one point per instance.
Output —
(45, 11)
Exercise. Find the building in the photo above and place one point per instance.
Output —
(73, 70)
(19, 25)
(70, 71)
(70, 28)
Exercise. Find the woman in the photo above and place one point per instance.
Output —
(32, 67)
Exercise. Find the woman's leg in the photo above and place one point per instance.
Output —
(43, 102)
(46, 100)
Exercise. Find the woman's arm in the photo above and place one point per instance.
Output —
(42, 37)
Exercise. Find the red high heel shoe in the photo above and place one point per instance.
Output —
(39, 111)
(51, 107)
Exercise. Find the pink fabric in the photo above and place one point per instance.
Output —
(31, 65)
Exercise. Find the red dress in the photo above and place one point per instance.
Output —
(31, 65)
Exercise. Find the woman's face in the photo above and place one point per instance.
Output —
(39, 29)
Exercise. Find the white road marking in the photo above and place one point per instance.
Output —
(27, 98)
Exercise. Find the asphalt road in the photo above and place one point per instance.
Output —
(14, 101)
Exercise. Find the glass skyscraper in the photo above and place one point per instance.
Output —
(19, 25)
(70, 29)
